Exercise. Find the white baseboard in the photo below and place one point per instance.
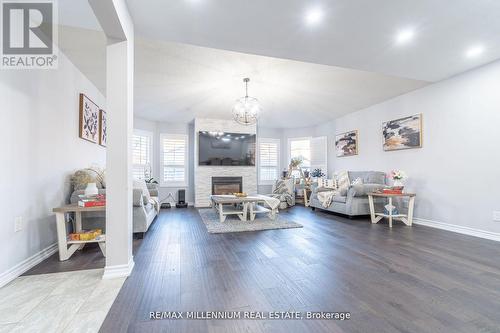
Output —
(27, 264)
(117, 271)
(459, 229)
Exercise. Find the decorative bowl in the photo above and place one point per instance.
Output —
(240, 195)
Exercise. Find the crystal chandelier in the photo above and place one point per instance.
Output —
(246, 109)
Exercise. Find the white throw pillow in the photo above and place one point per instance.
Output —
(357, 181)
(141, 184)
(327, 183)
(343, 182)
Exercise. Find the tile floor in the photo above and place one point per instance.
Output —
(59, 302)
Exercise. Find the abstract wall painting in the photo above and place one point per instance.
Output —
(403, 133)
(89, 120)
(346, 144)
(103, 136)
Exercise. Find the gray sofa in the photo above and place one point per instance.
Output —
(354, 201)
(143, 212)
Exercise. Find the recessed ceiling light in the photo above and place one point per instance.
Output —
(314, 16)
(404, 36)
(474, 51)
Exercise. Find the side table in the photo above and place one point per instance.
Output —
(406, 218)
(66, 252)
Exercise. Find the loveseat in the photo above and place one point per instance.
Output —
(354, 200)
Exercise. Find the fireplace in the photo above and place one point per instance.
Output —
(227, 185)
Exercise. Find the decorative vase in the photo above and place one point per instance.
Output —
(91, 190)
(398, 183)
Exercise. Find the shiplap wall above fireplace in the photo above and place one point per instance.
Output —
(203, 174)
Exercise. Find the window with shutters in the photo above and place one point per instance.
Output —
(142, 149)
(174, 162)
(269, 155)
(300, 147)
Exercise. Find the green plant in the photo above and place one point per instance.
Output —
(296, 161)
(151, 180)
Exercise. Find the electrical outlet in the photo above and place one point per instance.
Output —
(496, 216)
(18, 224)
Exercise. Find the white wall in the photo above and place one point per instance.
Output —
(41, 148)
(456, 173)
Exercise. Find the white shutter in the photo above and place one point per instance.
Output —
(301, 147)
(174, 159)
(268, 160)
(141, 154)
(319, 154)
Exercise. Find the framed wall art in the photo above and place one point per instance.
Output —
(103, 136)
(89, 120)
(346, 144)
(403, 133)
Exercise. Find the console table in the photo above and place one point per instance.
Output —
(66, 252)
(406, 218)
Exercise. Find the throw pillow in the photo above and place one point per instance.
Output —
(343, 182)
(141, 184)
(280, 187)
(357, 181)
(327, 183)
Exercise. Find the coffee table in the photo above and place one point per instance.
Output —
(406, 218)
(241, 206)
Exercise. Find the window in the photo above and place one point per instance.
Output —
(300, 148)
(313, 152)
(269, 168)
(142, 148)
(174, 159)
(319, 154)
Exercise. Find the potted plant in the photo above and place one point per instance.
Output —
(317, 173)
(398, 177)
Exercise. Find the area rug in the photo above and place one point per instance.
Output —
(233, 224)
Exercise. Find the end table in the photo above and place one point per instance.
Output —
(406, 218)
(62, 238)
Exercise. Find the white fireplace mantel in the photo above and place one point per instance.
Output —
(203, 173)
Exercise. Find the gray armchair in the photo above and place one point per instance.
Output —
(284, 191)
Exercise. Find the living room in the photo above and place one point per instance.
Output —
(266, 167)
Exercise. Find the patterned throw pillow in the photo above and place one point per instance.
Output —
(343, 182)
(280, 187)
(327, 183)
(357, 181)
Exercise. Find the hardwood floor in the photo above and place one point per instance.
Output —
(401, 280)
(90, 257)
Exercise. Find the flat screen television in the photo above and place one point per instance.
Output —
(227, 149)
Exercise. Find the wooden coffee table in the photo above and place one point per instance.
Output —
(240, 206)
(406, 218)
(66, 252)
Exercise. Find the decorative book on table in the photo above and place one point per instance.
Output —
(92, 201)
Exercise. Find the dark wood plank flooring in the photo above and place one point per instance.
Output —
(90, 257)
(401, 280)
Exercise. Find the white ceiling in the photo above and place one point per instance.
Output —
(355, 34)
(177, 82)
